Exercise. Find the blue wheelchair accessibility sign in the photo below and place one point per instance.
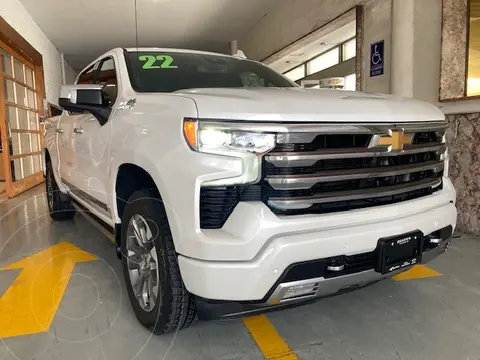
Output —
(377, 59)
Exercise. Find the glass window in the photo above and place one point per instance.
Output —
(25, 143)
(37, 164)
(31, 99)
(6, 63)
(29, 77)
(349, 50)
(35, 142)
(86, 77)
(323, 61)
(18, 70)
(16, 170)
(21, 94)
(252, 80)
(473, 78)
(12, 122)
(296, 74)
(22, 119)
(9, 90)
(27, 166)
(168, 72)
(108, 78)
(32, 118)
(15, 144)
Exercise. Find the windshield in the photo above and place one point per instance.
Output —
(172, 71)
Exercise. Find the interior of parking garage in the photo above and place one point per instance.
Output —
(298, 278)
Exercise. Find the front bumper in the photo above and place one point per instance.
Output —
(271, 244)
(208, 310)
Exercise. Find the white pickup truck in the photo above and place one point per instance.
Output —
(230, 190)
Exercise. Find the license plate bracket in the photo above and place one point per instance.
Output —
(397, 252)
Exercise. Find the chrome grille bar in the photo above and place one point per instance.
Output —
(304, 202)
(325, 128)
(306, 181)
(296, 159)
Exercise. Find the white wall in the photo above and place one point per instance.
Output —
(17, 17)
(70, 74)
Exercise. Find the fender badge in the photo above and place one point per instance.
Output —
(126, 105)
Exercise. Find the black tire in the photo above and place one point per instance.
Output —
(59, 205)
(175, 306)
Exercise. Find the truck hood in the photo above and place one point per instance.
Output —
(305, 105)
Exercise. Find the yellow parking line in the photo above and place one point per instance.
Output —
(110, 237)
(417, 272)
(267, 339)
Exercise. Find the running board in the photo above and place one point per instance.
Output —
(107, 230)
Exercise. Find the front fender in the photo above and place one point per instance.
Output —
(51, 146)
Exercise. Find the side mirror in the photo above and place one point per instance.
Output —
(85, 97)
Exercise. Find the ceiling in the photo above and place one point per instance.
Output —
(84, 29)
(315, 47)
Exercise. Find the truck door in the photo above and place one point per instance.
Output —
(67, 138)
(92, 143)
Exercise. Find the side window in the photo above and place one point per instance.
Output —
(108, 78)
(86, 77)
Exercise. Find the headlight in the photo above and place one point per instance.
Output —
(208, 137)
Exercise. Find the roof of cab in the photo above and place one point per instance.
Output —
(174, 50)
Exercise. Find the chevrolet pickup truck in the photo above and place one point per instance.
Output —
(230, 190)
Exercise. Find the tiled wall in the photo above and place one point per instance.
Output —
(463, 138)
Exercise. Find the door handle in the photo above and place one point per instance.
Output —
(60, 131)
(78, 131)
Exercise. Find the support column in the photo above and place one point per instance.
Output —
(416, 49)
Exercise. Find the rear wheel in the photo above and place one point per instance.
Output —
(59, 204)
(152, 276)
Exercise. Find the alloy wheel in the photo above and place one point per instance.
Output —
(142, 262)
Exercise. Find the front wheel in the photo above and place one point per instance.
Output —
(152, 276)
(59, 205)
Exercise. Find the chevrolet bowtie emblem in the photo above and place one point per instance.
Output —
(395, 140)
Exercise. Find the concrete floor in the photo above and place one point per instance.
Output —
(431, 318)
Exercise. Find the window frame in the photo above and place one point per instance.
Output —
(115, 67)
(86, 70)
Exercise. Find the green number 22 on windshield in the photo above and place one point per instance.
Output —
(166, 62)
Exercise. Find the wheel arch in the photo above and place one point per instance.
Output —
(129, 177)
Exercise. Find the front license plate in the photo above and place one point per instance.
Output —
(400, 251)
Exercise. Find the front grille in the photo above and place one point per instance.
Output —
(315, 173)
